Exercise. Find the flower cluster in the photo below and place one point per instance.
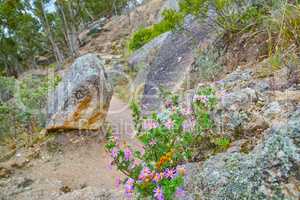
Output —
(167, 140)
(150, 124)
(147, 177)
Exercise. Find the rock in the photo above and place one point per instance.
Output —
(4, 172)
(82, 99)
(173, 61)
(238, 99)
(144, 55)
(65, 189)
(117, 74)
(234, 111)
(14, 186)
(26, 188)
(90, 193)
(270, 171)
(273, 109)
(96, 27)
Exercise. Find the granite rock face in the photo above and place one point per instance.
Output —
(173, 60)
(270, 171)
(145, 54)
(82, 99)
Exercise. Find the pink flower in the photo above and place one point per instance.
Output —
(158, 194)
(170, 173)
(169, 124)
(127, 154)
(168, 103)
(145, 173)
(201, 98)
(118, 182)
(150, 124)
(189, 124)
(152, 143)
(115, 152)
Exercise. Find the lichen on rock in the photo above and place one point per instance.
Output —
(265, 173)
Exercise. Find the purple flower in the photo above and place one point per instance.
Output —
(129, 188)
(115, 153)
(179, 193)
(201, 98)
(145, 173)
(157, 177)
(168, 103)
(150, 124)
(189, 124)
(170, 173)
(158, 194)
(127, 154)
(169, 124)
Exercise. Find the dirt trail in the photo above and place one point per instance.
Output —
(79, 161)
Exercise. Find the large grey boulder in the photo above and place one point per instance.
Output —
(174, 59)
(143, 56)
(270, 171)
(82, 99)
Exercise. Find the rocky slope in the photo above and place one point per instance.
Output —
(263, 161)
(258, 111)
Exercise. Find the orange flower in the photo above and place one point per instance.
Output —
(164, 159)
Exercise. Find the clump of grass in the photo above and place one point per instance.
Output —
(171, 20)
(222, 143)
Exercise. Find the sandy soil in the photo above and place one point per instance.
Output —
(79, 160)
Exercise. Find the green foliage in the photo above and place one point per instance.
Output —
(171, 20)
(277, 22)
(194, 7)
(168, 140)
(136, 114)
(222, 143)
(25, 112)
(141, 37)
(7, 88)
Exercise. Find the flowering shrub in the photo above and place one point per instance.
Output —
(168, 137)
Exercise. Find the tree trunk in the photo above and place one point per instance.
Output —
(58, 55)
(74, 44)
(70, 32)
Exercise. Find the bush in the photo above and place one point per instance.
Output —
(168, 140)
(194, 7)
(171, 20)
(25, 112)
(7, 87)
(276, 21)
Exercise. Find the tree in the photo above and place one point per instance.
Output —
(40, 12)
(17, 29)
